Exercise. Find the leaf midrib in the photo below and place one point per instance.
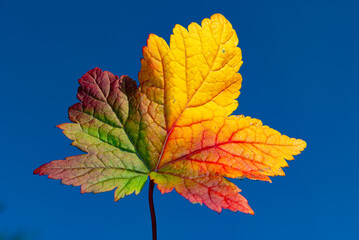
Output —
(113, 111)
(188, 101)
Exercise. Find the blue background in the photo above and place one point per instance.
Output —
(300, 76)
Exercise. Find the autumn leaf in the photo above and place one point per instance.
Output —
(175, 127)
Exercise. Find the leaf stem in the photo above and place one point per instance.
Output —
(152, 210)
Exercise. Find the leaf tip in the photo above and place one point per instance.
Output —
(61, 126)
(40, 170)
(302, 144)
(36, 171)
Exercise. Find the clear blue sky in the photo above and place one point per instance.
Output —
(300, 76)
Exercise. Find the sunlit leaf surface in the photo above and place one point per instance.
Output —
(175, 127)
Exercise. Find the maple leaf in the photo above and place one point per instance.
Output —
(176, 127)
